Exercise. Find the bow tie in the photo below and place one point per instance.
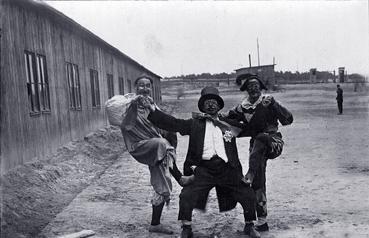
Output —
(224, 126)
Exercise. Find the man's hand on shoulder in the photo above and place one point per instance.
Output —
(148, 103)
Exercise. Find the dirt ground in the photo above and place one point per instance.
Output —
(318, 187)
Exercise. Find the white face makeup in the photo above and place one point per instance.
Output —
(143, 87)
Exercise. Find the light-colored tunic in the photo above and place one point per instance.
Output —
(145, 143)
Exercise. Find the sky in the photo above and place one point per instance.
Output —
(183, 37)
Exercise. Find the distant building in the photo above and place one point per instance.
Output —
(313, 76)
(341, 74)
(55, 77)
(265, 72)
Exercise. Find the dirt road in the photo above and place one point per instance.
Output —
(317, 188)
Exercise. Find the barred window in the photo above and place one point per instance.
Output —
(74, 86)
(110, 85)
(37, 83)
(95, 89)
(121, 85)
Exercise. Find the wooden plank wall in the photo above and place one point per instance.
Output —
(25, 137)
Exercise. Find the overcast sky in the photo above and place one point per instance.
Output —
(177, 37)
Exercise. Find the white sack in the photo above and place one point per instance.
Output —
(116, 107)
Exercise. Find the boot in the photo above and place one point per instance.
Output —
(160, 229)
(186, 232)
(250, 230)
(263, 227)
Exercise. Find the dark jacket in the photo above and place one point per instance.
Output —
(195, 128)
(339, 94)
(265, 119)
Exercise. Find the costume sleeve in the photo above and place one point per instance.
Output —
(235, 118)
(284, 116)
(170, 123)
(234, 113)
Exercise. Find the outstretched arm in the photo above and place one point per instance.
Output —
(169, 123)
(235, 118)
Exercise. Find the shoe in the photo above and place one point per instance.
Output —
(250, 231)
(186, 180)
(160, 229)
(263, 227)
(186, 232)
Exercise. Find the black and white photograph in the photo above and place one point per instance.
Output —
(184, 119)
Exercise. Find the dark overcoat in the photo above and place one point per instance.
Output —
(195, 128)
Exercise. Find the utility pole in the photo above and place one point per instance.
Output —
(257, 43)
(250, 60)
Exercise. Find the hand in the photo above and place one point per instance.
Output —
(248, 178)
(223, 114)
(148, 103)
(267, 100)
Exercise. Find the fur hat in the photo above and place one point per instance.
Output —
(247, 77)
(209, 92)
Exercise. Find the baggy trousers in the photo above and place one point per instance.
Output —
(216, 173)
(263, 147)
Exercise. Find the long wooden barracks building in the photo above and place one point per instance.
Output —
(55, 77)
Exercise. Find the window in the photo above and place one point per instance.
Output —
(74, 86)
(110, 85)
(37, 83)
(153, 90)
(95, 90)
(129, 86)
(121, 85)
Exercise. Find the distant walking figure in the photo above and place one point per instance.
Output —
(339, 98)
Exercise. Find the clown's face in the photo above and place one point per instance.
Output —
(253, 89)
(143, 87)
(211, 106)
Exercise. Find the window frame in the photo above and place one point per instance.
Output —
(110, 85)
(129, 84)
(74, 86)
(121, 85)
(95, 89)
(37, 83)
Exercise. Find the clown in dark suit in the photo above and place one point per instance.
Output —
(213, 158)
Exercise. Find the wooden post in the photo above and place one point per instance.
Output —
(81, 234)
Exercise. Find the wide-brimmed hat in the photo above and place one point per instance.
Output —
(210, 92)
(248, 77)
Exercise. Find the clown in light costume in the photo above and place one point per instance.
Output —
(154, 147)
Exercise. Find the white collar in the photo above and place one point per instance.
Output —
(246, 104)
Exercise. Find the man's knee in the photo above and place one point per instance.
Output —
(262, 139)
(159, 141)
(245, 194)
(186, 193)
(187, 199)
